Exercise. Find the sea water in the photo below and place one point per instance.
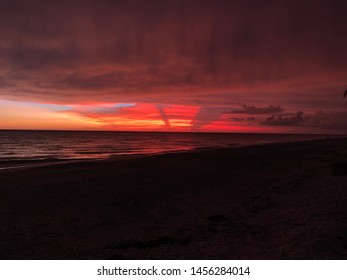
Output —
(27, 147)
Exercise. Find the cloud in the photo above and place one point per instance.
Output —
(252, 110)
(29, 58)
(287, 121)
(208, 54)
(113, 109)
(91, 83)
(105, 50)
(98, 111)
(237, 119)
(330, 119)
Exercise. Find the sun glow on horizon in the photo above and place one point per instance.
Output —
(122, 116)
(143, 117)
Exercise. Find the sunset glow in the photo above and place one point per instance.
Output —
(227, 66)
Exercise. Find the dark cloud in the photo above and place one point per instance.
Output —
(4, 83)
(285, 121)
(27, 58)
(95, 82)
(237, 119)
(94, 49)
(122, 81)
(253, 110)
(330, 119)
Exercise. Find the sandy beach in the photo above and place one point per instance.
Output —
(275, 201)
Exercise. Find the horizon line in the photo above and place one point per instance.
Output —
(149, 131)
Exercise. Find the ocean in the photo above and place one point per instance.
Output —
(24, 147)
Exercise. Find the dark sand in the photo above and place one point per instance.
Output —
(279, 201)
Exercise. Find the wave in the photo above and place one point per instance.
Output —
(37, 147)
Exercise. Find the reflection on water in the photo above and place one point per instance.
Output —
(58, 145)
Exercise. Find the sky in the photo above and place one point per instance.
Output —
(174, 65)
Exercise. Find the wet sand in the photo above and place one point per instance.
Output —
(276, 201)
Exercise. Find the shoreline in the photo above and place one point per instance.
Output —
(20, 164)
(268, 201)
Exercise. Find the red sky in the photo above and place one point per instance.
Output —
(252, 66)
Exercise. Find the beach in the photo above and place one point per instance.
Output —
(273, 201)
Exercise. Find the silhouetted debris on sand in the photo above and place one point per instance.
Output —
(339, 168)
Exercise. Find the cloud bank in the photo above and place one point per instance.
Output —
(103, 51)
(206, 54)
